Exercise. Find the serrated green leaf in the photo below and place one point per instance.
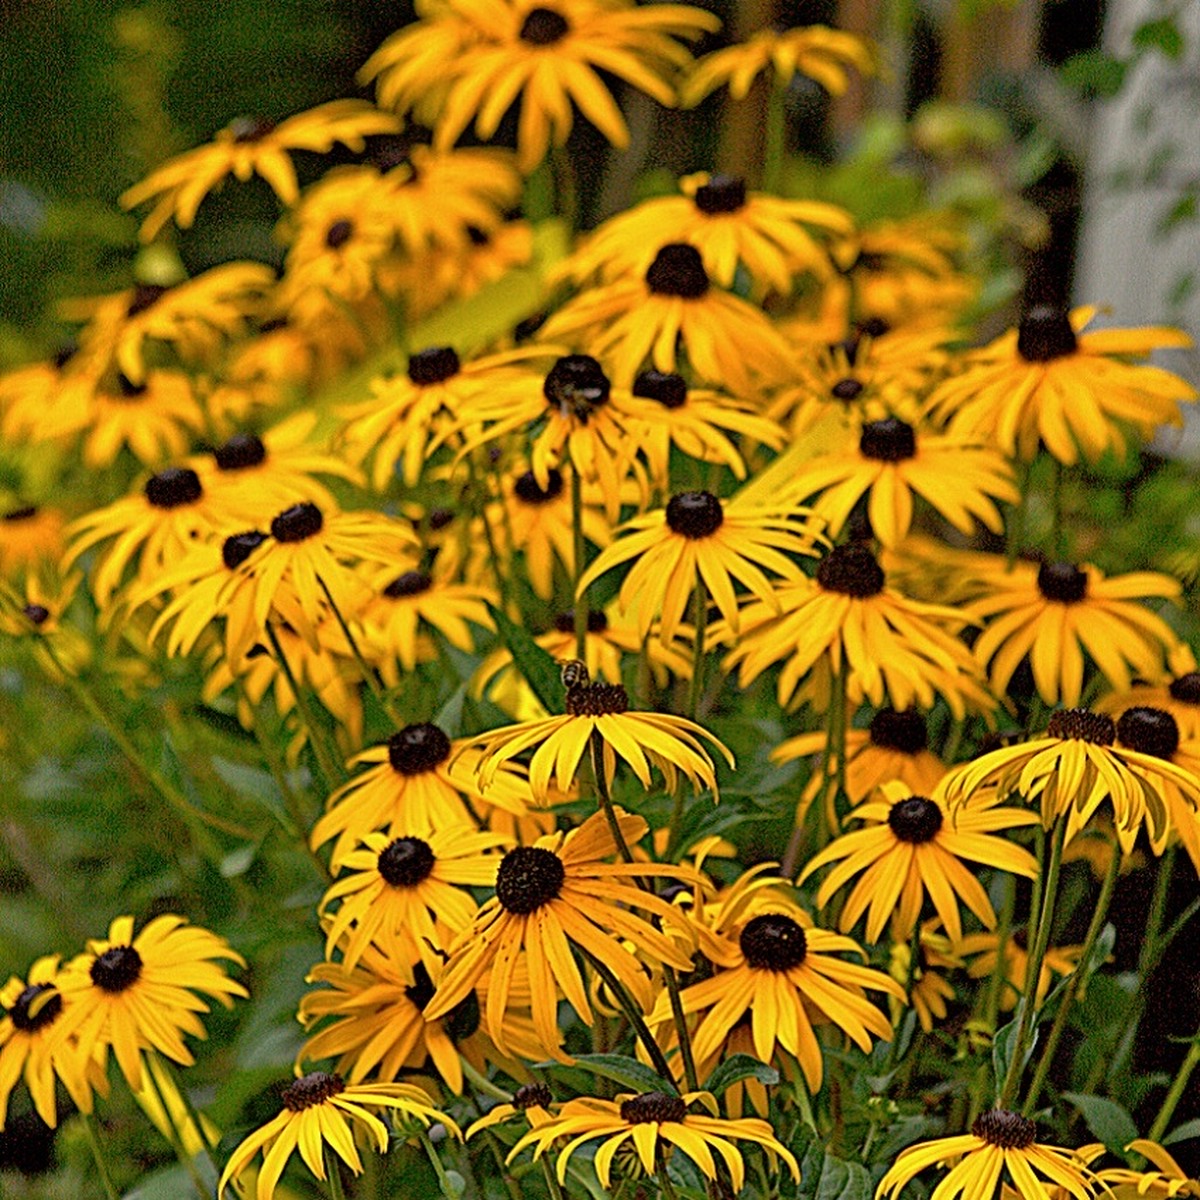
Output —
(624, 1070)
(737, 1068)
(537, 667)
(1107, 1119)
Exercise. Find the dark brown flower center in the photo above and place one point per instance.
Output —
(651, 1108)
(1008, 1130)
(311, 1089)
(433, 365)
(250, 129)
(576, 385)
(173, 488)
(406, 862)
(477, 236)
(416, 749)
(597, 622)
(532, 1095)
(874, 327)
(678, 270)
(236, 549)
(904, 731)
(241, 451)
(1045, 333)
(695, 514)
(852, 571)
(528, 878)
(25, 513)
(846, 390)
(915, 820)
(36, 1007)
(544, 27)
(669, 389)
(1149, 731)
(298, 523)
(1062, 581)
(889, 440)
(127, 389)
(721, 194)
(39, 614)
(773, 942)
(144, 295)
(1082, 725)
(339, 233)
(1186, 688)
(411, 583)
(596, 699)
(461, 1021)
(528, 489)
(118, 968)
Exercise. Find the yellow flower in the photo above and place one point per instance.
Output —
(47, 400)
(252, 146)
(1167, 1179)
(1178, 694)
(157, 419)
(1013, 955)
(30, 534)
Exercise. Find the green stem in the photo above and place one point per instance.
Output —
(700, 617)
(439, 1170)
(480, 498)
(365, 669)
(1175, 1094)
(664, 1180)
(89, 1128)
(774, 139)
(636, 1019)
(596, 751)
(577, 553)
(681, 1028)
(481, 1083)
(175, 1137)
(334, 1175)
(555, 1188)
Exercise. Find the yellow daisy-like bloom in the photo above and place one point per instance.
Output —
(45, 401)
(397, 887)
(767, 235)
(1179, 694)
(252, 146)
(781, 972)
(1002, 1145)
(33, 609)
(135, 994)
(1167, 1179)
(1052, 612)
(652, 1122)
(598, 715)
(1059, 960)
(548, 55)
(30, 534)
(156, 419)
(930, 989)
(558, 893)
(321, 1110)
(817, 51)
(699, 540)
(729, 342)
(890, 647)
(419, 779)
(29, 1047)
(1076, 392)
(891, 463)
(531, 1100)
(913, 848)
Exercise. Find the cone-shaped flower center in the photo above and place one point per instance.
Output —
(889, 440)
(1186, 688)
(846, 390)
(1008, 1130)
(311, 1089)
(1149, 731)
(596, 699)
(298, 523)
(242, 450)
(1045, 333)
(1082, 725)
(173, 488)
(528, 489)
(416, 749)
(145, 295)
(695, 515)
(852, 571)
(678, 270)
(669, 389)
(576, 385)
(597, 622)
(236, 549)
(39, 614)
(915, 820)
(544, 27)
(250, 129)
(411, 583)
(773, 942)
(433, 365)
(406, 862)
(532, 1095)
(1062, 581)
(118, 968)
(721, 194)
(529, 877)
(652, 1107)
(339, 233)
(904, 731)
(36, 1007)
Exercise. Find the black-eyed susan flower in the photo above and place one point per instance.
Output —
(531, 1100)
(817, 51)
(1178, 694)
(673, 309)
(1054, 612)
(419, 778)
(929, 991)
(252, 146)
(45, 401)
(157, 419)
(890, 647)
(394, 889)
(559, 893)
(321, 1111)
(1166, 1178)
(33, 608)
(912, 848)
(137, 994)
(548, 56)
(1001, 1147)
(988, 951)
(30, 534)
(29, 1049)
(697, 541)
(1050, 382)
(655, 1124)
(645, 740)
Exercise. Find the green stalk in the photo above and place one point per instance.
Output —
(481, 1083)
(1175, 1094)
(700, 617)
(685, 1037)
(89, 1128)
(774, 139)
(555, 1189)
(334, 1176)
(664, 1180)
(636, 1019)
(596, 753)
(364, 668)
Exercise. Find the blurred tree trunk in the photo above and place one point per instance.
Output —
(740, 150)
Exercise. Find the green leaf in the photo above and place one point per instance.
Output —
(735, 1069)
(1162, 35)
(1184, 1133)
(1094, 74)
(626, 1071)
(537, 667)
(1005, 1043)
(1107, 1119)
